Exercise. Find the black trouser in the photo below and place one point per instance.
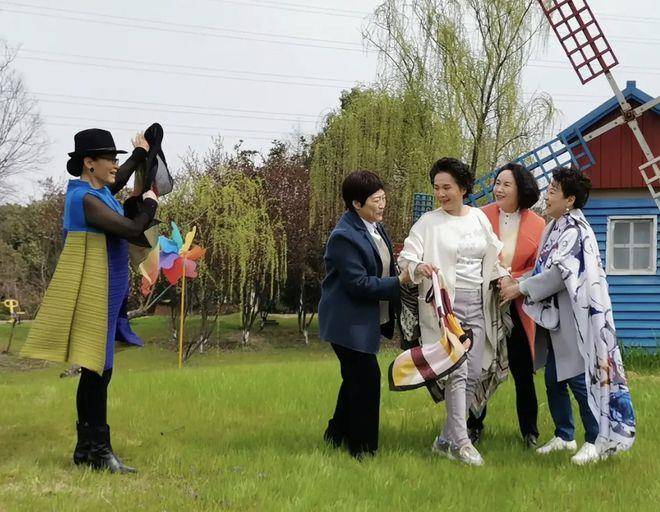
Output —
(358, 403)
(92, 397)
(522, 371)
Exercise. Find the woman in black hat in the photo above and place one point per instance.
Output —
(83, 312)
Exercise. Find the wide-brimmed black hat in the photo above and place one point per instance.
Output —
(90, 142)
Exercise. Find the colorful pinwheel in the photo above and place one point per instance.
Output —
(178, 259)
(178, 254)
(171, 256)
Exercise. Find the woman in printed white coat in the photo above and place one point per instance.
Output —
(568, 298)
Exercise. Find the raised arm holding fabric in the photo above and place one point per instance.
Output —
(101, 217)
(127, 169)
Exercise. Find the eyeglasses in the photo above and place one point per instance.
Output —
(112, 159)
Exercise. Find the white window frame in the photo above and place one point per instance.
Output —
(609, 245)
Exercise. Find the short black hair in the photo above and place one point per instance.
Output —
(528, 189)
(460, 171)
(573, 183)
(358, 186)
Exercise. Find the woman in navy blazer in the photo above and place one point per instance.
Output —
(358, 298)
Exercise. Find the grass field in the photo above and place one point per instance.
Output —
(241, 430)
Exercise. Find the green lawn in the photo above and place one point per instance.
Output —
(241, 430)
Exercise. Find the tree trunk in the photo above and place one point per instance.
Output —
(250, 312)
(301, 306)
(307, 324)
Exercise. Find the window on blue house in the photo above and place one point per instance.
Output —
(631, 245)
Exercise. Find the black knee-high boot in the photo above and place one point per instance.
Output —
(93, 402)
(83, 431)
(83, 445)
(101, 455)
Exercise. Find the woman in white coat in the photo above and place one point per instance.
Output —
(457, 240)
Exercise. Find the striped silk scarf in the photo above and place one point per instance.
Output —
(423, 365)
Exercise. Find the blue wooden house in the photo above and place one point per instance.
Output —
(625, 218)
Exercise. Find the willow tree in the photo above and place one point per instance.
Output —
(246, 244)
(395, 134)
(468, 57)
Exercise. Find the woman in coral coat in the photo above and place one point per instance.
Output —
(520, 231)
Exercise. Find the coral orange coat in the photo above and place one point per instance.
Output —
(524, 257)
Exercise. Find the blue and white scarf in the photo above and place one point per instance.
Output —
(571, 245)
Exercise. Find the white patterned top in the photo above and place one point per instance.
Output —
(471, 249)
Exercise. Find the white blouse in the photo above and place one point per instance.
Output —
(509, 225)
(385, 259)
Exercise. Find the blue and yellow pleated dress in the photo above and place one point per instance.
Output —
(83, 313)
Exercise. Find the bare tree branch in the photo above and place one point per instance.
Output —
(22, 139)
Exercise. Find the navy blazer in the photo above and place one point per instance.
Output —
(349, 312)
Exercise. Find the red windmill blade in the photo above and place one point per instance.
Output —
(581, 37)
(590, 55)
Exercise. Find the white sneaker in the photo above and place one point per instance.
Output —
(556, 444)
(587, 454)
(467, 454)
(441, 446)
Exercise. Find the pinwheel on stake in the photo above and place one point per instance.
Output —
(177, 258)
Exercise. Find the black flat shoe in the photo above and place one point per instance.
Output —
(332, 438)
(531, 441)
(362, 456)
(474, 435)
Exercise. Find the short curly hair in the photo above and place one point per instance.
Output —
(358, 186)
(573, 183)
(460, 171)
(528, 189)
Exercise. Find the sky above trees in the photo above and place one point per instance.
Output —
(253, 70)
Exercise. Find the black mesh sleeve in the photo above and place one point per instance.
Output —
(127, 169)
(100, 216)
